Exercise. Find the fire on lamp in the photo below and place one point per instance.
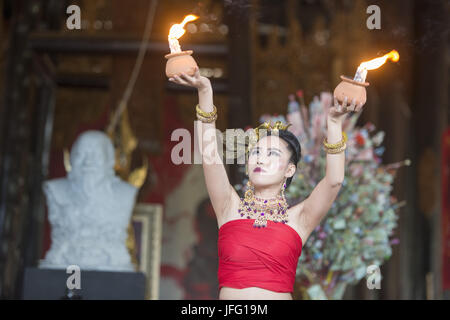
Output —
(356, 88)
(179, 61)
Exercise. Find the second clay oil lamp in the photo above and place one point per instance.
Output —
(356, 88)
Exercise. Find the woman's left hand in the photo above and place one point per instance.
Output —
(339, 111)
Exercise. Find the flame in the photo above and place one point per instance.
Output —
(177, 30)
(378, 62)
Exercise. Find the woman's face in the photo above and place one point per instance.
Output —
(268, 162)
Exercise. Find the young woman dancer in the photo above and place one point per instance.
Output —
(260, 237)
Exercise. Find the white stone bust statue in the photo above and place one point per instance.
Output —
(89, 210)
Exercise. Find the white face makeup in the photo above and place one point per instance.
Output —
(268, 162)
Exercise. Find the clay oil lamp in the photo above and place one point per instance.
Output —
(179, 61)
(356, 88)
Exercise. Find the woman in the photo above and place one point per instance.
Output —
(260, 263)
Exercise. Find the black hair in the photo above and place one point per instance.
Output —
(293, 146)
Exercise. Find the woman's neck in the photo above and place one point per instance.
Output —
(267, 192)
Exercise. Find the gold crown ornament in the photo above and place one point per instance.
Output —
(269, 127)
(247, 140)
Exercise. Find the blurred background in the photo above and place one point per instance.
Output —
(57, 82)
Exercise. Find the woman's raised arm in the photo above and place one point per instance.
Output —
(219, 188)
(314, 208)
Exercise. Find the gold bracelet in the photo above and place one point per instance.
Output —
(207, 120)
(336, 150)
(206, 114)
(336, 145)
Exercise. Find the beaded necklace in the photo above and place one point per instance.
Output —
(274, 209)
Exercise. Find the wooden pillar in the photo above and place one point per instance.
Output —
(19, 145)
(430, 114)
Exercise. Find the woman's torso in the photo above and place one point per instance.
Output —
(252, 293)
(256, 293)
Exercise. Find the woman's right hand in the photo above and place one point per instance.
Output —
(196, 81)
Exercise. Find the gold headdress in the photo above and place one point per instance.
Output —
(269, 127)
(247, 140)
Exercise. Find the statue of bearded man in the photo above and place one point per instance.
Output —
(89, 210)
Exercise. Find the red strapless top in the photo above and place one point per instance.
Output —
(258, 257)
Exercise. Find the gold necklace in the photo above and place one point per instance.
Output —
(274, 209)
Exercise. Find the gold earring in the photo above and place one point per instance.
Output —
(249, 193)
(282, 189)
